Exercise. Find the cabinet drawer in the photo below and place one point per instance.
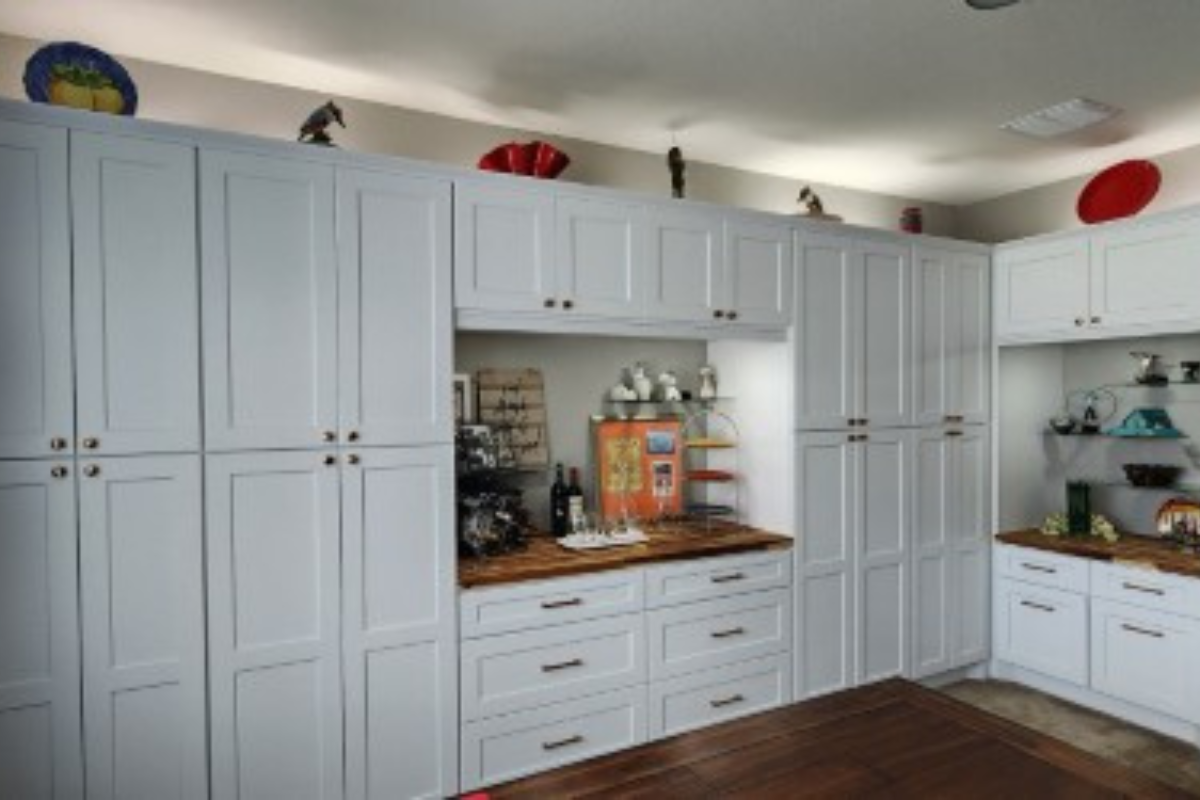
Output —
(1146, 588)
(1045, 569)
(1146, 657)
(716, 577)
(1042, 629)
(517, 671)
(520, 744)
(704, 635)
(534, 605)
(706, 698)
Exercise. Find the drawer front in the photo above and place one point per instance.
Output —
(518, 671)
(700, 636)
(706, 698)
(1042, 629)
(484, 612)
(1045, 569)
(521, 744)
(1158, 591)
(716, 577)
(1146, 657)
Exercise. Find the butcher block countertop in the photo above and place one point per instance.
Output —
(545, 559)
(1142, 551)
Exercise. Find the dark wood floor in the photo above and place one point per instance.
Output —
(893, 739)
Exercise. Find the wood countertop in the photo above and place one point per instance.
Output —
(1143, 551)
(544, 559)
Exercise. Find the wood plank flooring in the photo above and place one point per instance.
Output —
(893, 739)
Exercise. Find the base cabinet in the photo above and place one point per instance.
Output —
(1043, 629)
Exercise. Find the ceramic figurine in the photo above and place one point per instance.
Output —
(668, 388)
(313, 131)
(813, 207)
(622, 393)
(677, 165)
(642, 385)
(708, 383)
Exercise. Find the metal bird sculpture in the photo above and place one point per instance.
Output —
(313, 131)
(676, 165)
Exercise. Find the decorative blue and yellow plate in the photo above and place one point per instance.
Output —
(78, 76)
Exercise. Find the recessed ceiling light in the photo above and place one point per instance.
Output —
(1061, 119)
(989, 5)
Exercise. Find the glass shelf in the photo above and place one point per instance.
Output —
(1181, 488)
(1111, 436)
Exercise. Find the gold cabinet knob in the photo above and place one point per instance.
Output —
(60, 472)
(352, 459)
(353, 436)
(330, 460)
(58, 444)
(91, 470)
(91, 443)
(328, 436)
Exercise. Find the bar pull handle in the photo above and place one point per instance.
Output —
(1133, 587)
(730, 578)
(559, 667)
(725, 634)
(727, 701)
(1039, 568)
(561, 743)
(551, 605)
(1142, 631)
(1038, 606)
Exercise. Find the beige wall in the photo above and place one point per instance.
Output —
(1052, 207)
(213, 101)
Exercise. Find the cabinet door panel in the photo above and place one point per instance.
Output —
(1146, 273)
(934, 318)
(601, 257)
(758, 268)
(270, 301)
(827, 283)
(884, 490)
(36, 392)
(137, 300)
(971, 390)
(686, 267)
(1042, 629)
(884, 356)
(972, 631)
(395, 308)
(1042, 288)
(933, 518)
(504, 248)
(825, 651)
(142, 579)
(399, 594)
(40, 726)
(274, 626)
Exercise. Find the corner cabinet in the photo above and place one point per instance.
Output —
(1127, 278)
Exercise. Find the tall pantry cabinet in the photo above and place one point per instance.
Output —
(893, 366)
(251, 596)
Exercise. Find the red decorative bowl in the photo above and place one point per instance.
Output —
(538, 159)
(1122, 190)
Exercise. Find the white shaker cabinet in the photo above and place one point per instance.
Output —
(394, 266)
(270, 301)
(40, 731)
(853, 497)
(1042, 287)
(950, 550)
(36, 390)
(136, 295)
(401, 679)
(952, 320)
(504, 248)
(686, 266)
(274, 623)
(142, 587)
(852, 333)
(758, 273)
(601, 257)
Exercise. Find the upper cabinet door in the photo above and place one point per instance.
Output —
(503, 248)
(395, 355)
(686, 269)
(601, 257)
(758, 268)
(1042, 288)
(885, 353)
(1146, 273)
(142, 584)
(137, 301)
(971, 390)
(36, 397)
(40, 727)
(270, 301)
(827, 283)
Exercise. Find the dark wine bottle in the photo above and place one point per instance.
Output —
(574, 498)
(559, 503)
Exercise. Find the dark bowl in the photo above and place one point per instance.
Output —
(1152, 475)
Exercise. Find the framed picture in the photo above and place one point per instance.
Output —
(464, 406)
(638, 465)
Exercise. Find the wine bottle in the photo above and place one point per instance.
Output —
(574, 499)
(558, 503)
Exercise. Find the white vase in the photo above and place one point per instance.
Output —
(642, 383)
(708, 383)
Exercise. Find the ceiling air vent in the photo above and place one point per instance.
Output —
(1061, 119)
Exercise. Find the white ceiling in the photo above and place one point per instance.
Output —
(895, 96)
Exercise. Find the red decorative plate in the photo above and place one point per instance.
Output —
(1122, 190)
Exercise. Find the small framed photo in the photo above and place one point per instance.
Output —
(660, 443)
(464, 401)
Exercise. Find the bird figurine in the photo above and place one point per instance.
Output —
(313, 131)
(676, 165)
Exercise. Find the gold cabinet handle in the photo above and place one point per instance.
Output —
(91, 470)
(60, 472)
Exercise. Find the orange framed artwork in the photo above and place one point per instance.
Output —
(639, 464)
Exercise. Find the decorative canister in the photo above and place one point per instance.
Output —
(1079, 508)
(911, 220)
